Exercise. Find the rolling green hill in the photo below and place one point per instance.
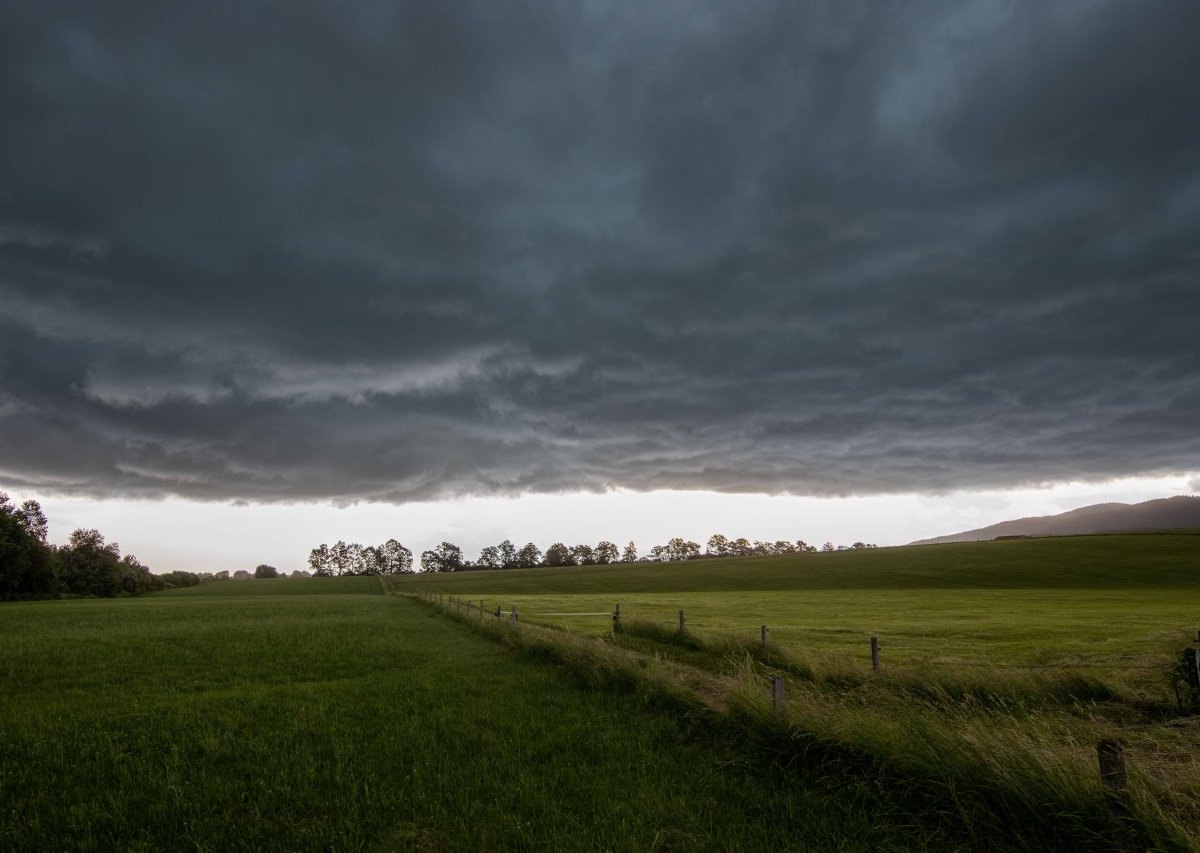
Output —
(1166, 560)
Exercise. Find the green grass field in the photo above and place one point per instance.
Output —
(321, 715)
(995, 655)
(1114, 603)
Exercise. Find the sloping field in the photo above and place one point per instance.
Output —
(249, 716)
(1119, 603)
(1117, 561)
(1004, 664)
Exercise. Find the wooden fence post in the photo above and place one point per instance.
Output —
(616, 618)
(777, 692)
(875, 654)
(1113, 776)
(682, 623)
(514, 614)
(766, 636)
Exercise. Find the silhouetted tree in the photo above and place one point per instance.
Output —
(630, 554)
(679, 548)
(87, 565)
(394, 558)
(489, 558)
(559, 554)
(606, 552)
(529, 556)
(265, 571)
(446, 557)
(717, 545)
(583, 555)
(509, 557)
(340, 558)
(356, 559)
(320, 561)
(26, 562)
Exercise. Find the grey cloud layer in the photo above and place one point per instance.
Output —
(399, 251)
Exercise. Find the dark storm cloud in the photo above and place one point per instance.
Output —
(397, 251)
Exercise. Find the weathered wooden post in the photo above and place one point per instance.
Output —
(777, 692)
(616, 618)
(875, 654)
(498, 611)
(1113, 776)
(682, 623)
(766, 636)
(514, 614)
(1189, 671)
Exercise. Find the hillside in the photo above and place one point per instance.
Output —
(1167, 561)
(1174, 513)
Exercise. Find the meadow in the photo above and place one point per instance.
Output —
(1004, 664)
(1117, 604)
(322, 715)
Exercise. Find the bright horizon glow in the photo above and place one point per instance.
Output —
(197, 536)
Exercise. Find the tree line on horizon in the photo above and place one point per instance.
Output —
(393, 558)
(87, 566)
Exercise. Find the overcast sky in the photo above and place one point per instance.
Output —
(402, 253)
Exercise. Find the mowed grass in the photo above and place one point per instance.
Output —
(1117, 604)
(320, 715)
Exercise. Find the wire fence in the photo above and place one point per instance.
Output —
(514, 614)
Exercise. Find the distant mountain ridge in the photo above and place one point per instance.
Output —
(1160, 514)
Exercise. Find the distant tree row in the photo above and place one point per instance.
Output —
(390, 558)
(87, 565)
(344, 559)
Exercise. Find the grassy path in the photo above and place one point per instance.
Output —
(235, 719)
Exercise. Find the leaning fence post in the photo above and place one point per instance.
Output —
(766, 636)
(616, 618)
(777, 692)
(682, 623)
(1113, 776)
(875, 654)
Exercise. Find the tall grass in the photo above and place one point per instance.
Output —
(946, 685)
(1003, 767)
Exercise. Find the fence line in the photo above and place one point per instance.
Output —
(874, 648)
(1110, 755)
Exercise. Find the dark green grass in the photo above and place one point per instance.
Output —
(197, 720)
(1118, 606)
(997, 767)
(1167, 560)
(258, 587)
